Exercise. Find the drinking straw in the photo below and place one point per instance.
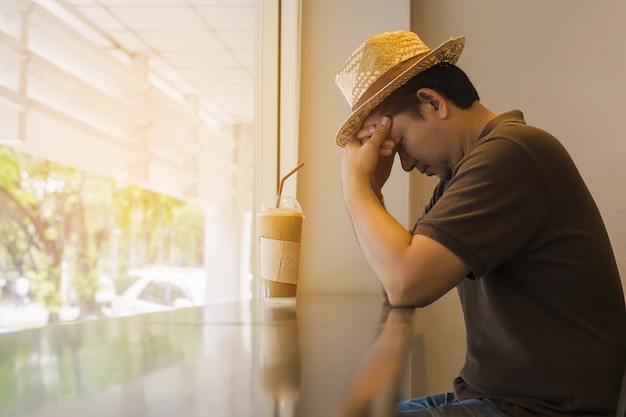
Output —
(282, 181)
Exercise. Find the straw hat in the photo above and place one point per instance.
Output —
(382, 64)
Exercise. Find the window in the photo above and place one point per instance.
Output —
(128, 106)
(128, 103)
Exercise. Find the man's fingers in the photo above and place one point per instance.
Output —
(387, 148)
(381, 131)
(388, 144)
(378, 133)
(380, 128)
(366, 132)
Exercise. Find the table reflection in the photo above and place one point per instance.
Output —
(374, 387)
(324, 355)
(279, 358)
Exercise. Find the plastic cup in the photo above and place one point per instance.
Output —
(280, 229)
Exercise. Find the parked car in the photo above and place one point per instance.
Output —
(160, 288)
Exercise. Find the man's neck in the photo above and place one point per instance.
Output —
(477, 117)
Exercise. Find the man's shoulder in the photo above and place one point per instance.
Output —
(510, 129)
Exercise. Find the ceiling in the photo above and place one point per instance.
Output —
(200, 50)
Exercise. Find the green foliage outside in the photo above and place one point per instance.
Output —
(56, 220)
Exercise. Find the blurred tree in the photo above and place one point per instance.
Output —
(65, 228)
(23, 230)
(147, 218)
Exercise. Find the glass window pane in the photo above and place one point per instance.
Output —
(135, 154)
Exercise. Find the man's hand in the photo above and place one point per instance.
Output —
(413, 270)
(369, 156)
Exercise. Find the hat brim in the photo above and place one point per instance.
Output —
(448, 51)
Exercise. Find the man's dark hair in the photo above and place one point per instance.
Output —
(445, 78)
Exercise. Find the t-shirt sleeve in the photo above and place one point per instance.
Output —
(491, 208)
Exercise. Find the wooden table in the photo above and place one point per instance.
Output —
(317, 355)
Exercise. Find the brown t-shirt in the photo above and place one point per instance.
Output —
(543, 305)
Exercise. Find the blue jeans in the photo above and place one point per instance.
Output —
(445, 405)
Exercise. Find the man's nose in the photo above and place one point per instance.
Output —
(406, 161)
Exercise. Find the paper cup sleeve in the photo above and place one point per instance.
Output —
(280, 260)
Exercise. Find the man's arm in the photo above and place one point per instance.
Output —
(413, 270)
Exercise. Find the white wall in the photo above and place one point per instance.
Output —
(331, 260)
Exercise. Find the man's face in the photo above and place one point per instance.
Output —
(420, 143)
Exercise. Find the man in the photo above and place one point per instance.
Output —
(511, 225)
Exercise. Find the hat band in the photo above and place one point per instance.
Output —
(386, 78)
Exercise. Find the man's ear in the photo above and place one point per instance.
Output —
(435, 100)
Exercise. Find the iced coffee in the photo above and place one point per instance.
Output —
(280, 229)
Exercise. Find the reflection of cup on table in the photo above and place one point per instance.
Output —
(279, 357)
(280, 229)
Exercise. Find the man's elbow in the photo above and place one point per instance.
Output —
(408, 297)
(405, 287)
